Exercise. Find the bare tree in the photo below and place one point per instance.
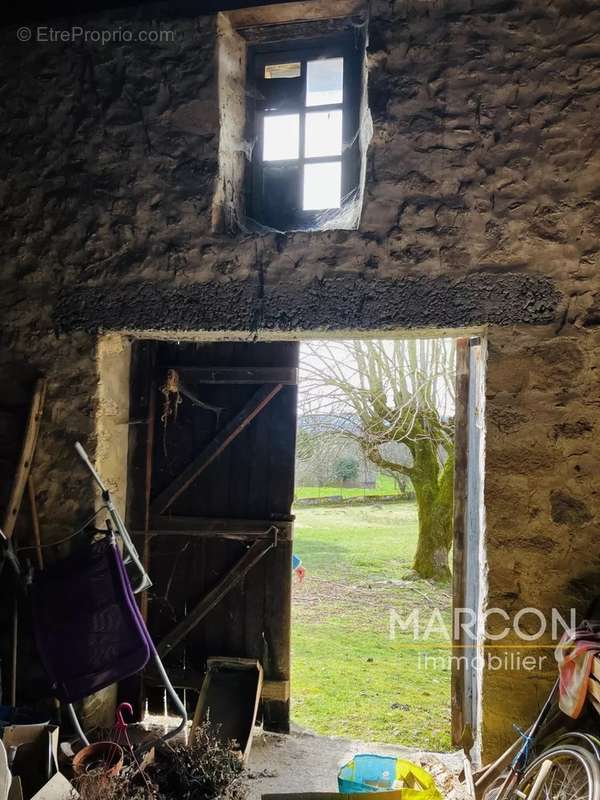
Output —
(396, 399)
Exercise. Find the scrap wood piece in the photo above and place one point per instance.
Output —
(469, 783)
(26, 459)
(149, 461)
(488, 774)
(539, 779)
(16, 789)
(221, 441)
(251, 557)
(5, 776)
(229, 699)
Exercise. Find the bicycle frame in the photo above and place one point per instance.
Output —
(519, 761)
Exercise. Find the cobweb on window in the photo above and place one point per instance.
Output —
(347, 216)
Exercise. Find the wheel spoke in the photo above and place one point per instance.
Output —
(573, 776)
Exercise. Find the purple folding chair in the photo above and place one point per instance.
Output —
(87, 626)
(89, 630)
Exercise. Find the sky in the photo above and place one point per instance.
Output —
(336, 360)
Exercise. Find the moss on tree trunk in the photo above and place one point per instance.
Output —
(435, 506)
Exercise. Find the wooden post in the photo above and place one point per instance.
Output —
(469, 784)
(26, 459)
(461, 433)
(14, 654)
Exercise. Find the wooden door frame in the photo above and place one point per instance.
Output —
(467, 573)
(140, 413)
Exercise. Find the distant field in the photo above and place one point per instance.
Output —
(385, 486)
(348, 678)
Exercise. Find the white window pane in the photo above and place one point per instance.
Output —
(322, 186)
(323, 134)
(281, 137)
(325, 82)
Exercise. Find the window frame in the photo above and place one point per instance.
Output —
(350, 47)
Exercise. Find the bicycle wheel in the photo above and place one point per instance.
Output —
(575, 775)
(580, 739)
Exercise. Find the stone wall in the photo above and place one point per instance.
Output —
(542, 503)
(481, 210)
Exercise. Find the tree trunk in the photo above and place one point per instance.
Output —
(433, 483)
(431, 558)
(435, 504)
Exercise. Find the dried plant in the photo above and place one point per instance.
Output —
(205, 769)
(97, 785)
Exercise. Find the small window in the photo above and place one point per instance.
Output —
(305, 124)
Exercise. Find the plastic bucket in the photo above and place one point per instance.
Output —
(372, 773)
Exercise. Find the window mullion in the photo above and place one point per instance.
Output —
(326, 107)
(301, 155)
(324, 160)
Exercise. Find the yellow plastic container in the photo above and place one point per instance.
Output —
(387, 775)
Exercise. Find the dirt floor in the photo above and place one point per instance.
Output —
(305, 762)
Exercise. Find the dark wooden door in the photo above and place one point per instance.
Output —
(210, 495)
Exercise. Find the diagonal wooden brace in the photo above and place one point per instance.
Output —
(221, 441)
(236, 574)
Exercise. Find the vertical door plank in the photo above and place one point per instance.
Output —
(459, 542)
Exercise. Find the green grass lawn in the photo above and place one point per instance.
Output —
(385, 485)
(348, 677)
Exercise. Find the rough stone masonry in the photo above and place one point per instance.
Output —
(482, 209)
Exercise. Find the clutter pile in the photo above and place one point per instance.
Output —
(555, 758)
(33, 768)
(446, 779)
(90, 634)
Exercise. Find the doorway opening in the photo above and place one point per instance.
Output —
(214, 442)
(380, 432)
